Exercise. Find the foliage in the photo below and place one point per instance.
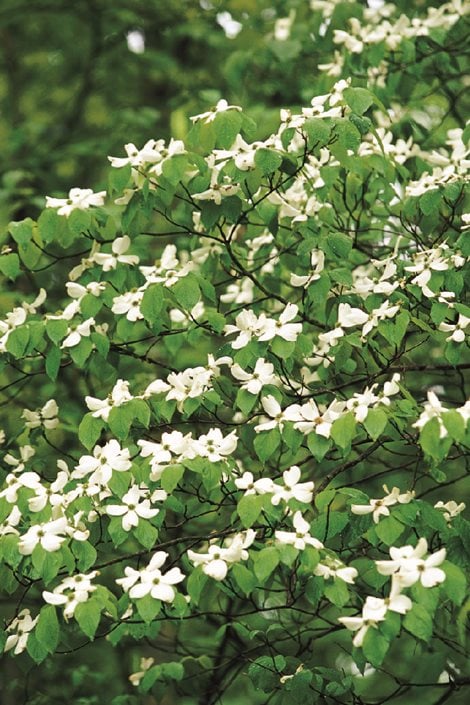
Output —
(237, 430)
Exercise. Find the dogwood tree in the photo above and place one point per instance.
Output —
(236, 424)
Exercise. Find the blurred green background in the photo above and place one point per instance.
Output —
(80, 79)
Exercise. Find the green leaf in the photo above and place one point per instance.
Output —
(317, 131)
(389, 529)
(17, 341)
(418, 621)
(267, 160)
(343, 430)
(430, 202)
(89, 430)
(455, 425)
(266, 671)
(318, 445)
(10, 265)
(56, 330)
(148, 607)
(266, 443)
(22, 231)
(265, 561)
(244, 578)
(337, 592)
(227, 125)
(145, 533)
(455, 585)
(375, 422)
(430, 439)
(47, 628)
(88, 615)
(152, 303)
(249, 508)
(375, 647)
(187, 292)
(53, 359)
(85, 553)
(245, 401)
(358, 99)
(35, 649)
(340, 245)
(171, 476)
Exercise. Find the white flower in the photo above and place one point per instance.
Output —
(253, 382)
(134, 507)
(292, 488)
(76, 332)
(216, 561)
(21, 626)
(78, 199)
(145, 664)
(210, 115)
(374, 611)
(103, 462)
(214, 446)
(408, 565)
(433, 409)
(300, 538)
(129, 303)
(49, 535)
(78, 291)
(71, 592)
(308, 418)
(149, 154)
(317, 261)
(456, 330)
(273, 409)
(349, 316)
(380, 507)
(450, 509)
(246, 325)
(217, 191)
(52, 495)
(282, 327)
(263, 485)
(9, 524)
(110, 261)
(46, 417)
(151, 581)
(119, 395)
(333, 568)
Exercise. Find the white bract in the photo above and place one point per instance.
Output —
(151, 581)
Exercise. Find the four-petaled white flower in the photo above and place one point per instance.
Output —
(151, 581)
(264, 485)
(216, 561)
(300, 538)
(380, 507)
(408, 565)
(78, 199)
(75, 333)
(101, 408)
(456, 330)
(103, 462)
(210, 115)
(282, 327)
(292, 488)
(21, 627)
(46, 417)
(110, 261)
(71, 592)
(50, 536)
(450, 509)
(253, 382)
(135, 505)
